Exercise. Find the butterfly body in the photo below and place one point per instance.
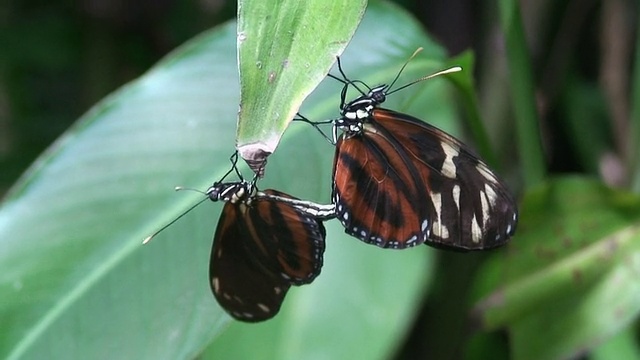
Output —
(400, 182)
(233, 192)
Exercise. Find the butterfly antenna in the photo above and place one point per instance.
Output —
(337, 78)
(148, 238)
(316, 125)
(418, 50)
(350, 82)
(345, 80)
(234, 161)
(443, 72)
(180, 188)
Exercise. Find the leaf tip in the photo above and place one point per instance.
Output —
(255, 155)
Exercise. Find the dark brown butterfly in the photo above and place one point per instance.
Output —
(264, 243)
(399, 182)
(261, 247)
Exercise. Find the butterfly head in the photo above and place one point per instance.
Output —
(357, 112)
(378, 94)
(233, 192)
(362, 106)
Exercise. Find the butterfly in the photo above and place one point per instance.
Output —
(399, 182)
(265, 242)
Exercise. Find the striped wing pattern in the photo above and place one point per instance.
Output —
(400, 182)
(262, 247)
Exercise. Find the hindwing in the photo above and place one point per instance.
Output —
(285, 240)
(241, 285)
(261, 248)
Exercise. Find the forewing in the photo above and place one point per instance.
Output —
(472, 208)
(286, 240)
(244, 289)
(378, 192)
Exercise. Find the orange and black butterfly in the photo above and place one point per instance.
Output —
(261, 247)
(265, 242)
(400, 182)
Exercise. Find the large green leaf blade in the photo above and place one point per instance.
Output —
(77, 279)
(285, 48)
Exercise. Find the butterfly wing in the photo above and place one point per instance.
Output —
(260, 249)
(401, 182)
(378, 192)
(473, 207)
(243, 288)
(287, 241)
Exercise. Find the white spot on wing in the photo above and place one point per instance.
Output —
(444, 232)
(476, 232)
(491, 194)
(425, 225)
(486, 173)
(263, 307)
(485, 208)
(456, 195)
(436, 231)
(448, 167)
(436, 199)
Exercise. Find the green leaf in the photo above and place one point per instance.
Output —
(621, 346)
(76, 281)
(523, 98)
(285, 48)
(633, 162)
(587, 124)
(465, 82)
(568, 280)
